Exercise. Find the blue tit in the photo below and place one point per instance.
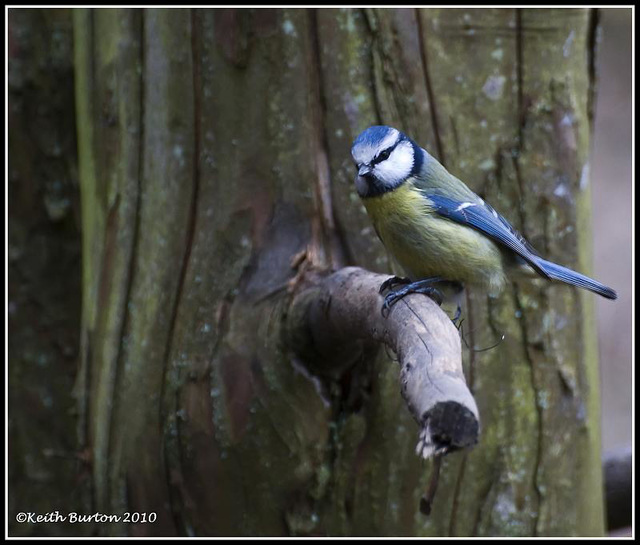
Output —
(440, 231)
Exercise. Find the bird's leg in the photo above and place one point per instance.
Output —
(421, 286)
(457, 289)
(389, 283)
(457, 315)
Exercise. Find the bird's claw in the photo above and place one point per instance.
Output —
(416, 287)
(393, 281)
(389, 301)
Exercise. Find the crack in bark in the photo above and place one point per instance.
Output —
(539, 409)
(454, 132)
(191, 229)
(520, 182)
(522, 114)
(520, 78)
(456, 496)
(593, 32)
(102, 494)
(426, 346)
(109, 366)
(136, 229)
(333, 235)
(83, 380)
(472, 363)
(372, 67)
(430, 93)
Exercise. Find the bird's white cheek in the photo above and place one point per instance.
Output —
(396, 168)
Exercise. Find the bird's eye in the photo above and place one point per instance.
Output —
(383, 155)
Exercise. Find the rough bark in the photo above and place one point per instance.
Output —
(214, 151)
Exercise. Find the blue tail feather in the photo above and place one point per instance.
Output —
(558, 272)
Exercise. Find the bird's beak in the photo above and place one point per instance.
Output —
(364, 170)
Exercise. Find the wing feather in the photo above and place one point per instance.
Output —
(482, 217)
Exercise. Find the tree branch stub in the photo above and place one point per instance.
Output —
(332, 318)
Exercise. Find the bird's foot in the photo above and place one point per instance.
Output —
(421, 286)
(390, 283)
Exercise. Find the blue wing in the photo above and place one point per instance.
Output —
(479, 215)
(483, 218)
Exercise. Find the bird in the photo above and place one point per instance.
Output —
(443, 235)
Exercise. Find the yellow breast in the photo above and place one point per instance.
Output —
(426, 244)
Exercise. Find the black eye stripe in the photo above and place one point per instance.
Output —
(384, 154)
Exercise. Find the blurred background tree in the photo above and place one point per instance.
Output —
(213, 150)
(44, 258)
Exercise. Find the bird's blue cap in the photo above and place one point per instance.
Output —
(373, 135)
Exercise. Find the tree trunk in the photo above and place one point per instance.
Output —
(215, 171)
